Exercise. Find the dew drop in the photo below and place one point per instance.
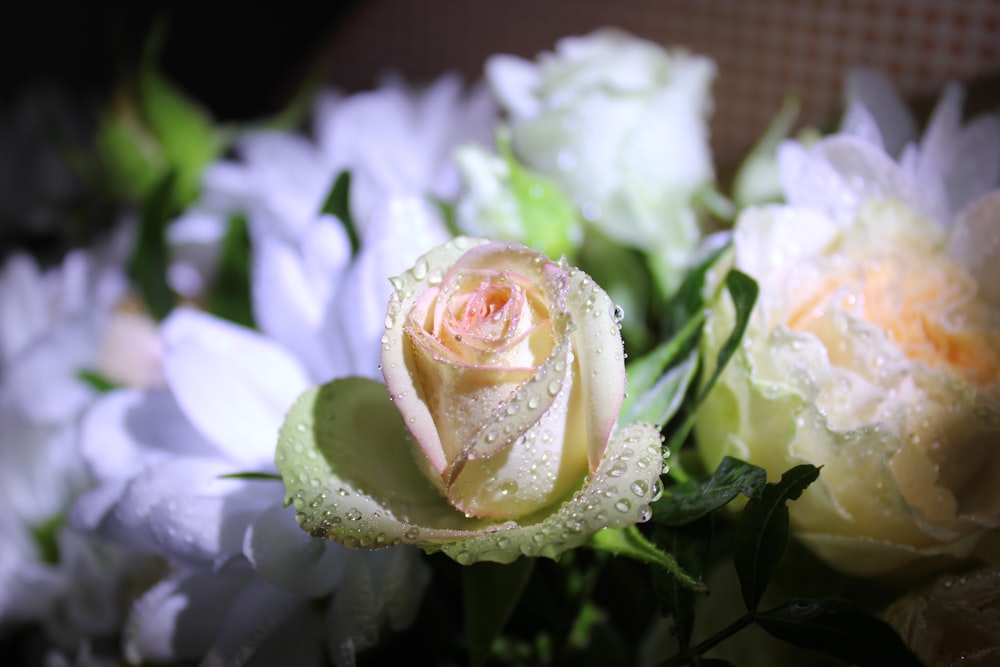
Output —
(412, 533)
(639, 487)
(420, 268)
(508, 488)
(464, 557)
(554, 387)
(435, 276)
(623, 505)
(390, 321)
(645, 514)
(617, 469)
(353, 514)
(657, 491)
(533, 403)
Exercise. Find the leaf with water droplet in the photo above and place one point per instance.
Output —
(691, 500)
(356, 440)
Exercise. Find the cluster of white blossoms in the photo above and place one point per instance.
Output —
(173, 464)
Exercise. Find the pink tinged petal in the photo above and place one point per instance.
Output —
(180, 616)
(287, 557)
(600, 358)
(232, 383)
(184, 509)
(374, 495)
(397, 354)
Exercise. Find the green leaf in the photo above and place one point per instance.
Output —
(757, 180)
(263, 476)
(182, 128)
(546, 213)
(490, 593)
(743, 290)
(337, 204)
(763, 531)
(96, 381)
(633, 544)
(345, 457)
(839, 628)
(689, 300)
(128, 151)
(46, 537)
(683, 503)
(689, 544)
(646, 372)
(147, 266)
(229, 297)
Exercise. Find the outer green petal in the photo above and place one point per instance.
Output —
(344, 455)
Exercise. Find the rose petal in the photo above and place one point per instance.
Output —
(975, 243)
(375, 495)
(429, 270)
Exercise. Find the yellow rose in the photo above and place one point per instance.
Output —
(873, 353)
(506, 375)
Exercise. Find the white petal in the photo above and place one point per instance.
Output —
(975, 243)
(183, 508)
(180, 616)
(233, 384)
(285, 555)
(402, 229)
(127, 430)
(873, 91)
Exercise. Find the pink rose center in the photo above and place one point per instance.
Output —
(491, 313)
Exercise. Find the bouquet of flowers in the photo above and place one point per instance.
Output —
(504, 375)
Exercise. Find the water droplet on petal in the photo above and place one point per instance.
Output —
(623, 505)
(639, 487)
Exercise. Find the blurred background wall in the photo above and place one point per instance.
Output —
(248, 62)
(764, 49)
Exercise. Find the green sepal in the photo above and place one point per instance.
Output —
(630, 542)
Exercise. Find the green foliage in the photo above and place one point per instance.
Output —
(337, 204)
(763, 530)
(229, 296)
(490, 592)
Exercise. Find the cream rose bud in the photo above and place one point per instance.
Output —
(506, 374)
(875, 354)
(509, 390)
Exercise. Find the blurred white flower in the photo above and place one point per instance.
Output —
(396, 140)
(246, 578)
(621, 124)
(51, 326)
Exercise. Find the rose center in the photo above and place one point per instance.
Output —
(491, 312)
(930, 313)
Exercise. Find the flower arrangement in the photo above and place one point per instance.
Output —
(504, 376)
